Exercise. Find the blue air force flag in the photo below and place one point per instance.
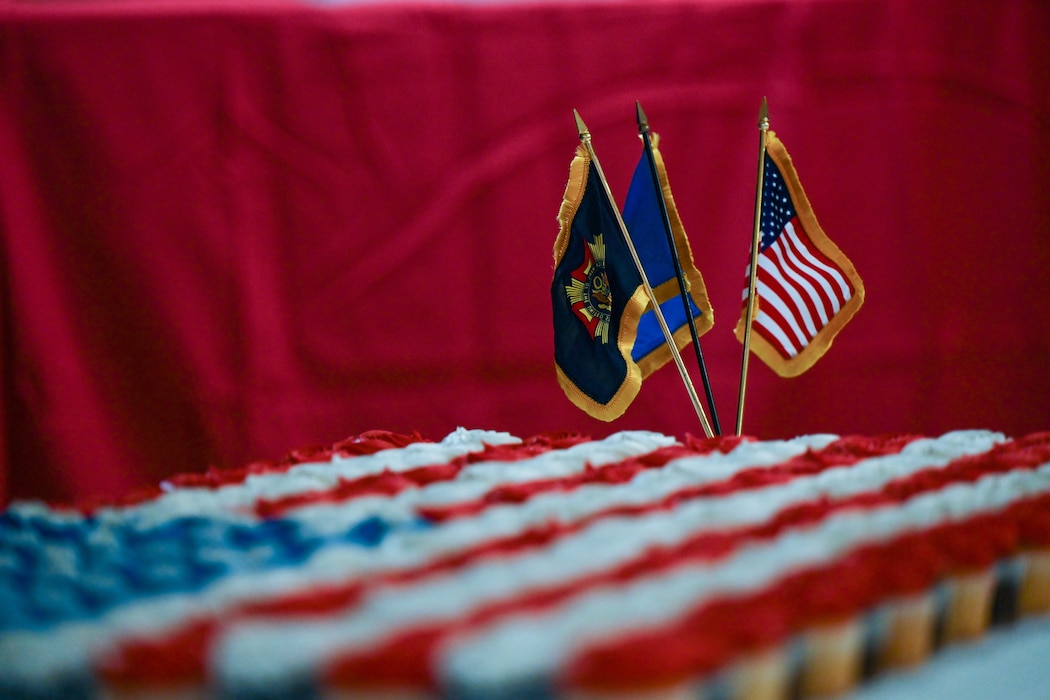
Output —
(644, 220)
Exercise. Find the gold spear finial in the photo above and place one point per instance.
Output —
(585, 134)
(643, 121)
(763, 115)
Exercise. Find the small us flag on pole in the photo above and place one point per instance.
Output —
(806, 288)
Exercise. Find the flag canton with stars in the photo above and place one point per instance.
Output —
(777, 207)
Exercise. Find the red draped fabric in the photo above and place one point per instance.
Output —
(229, 230)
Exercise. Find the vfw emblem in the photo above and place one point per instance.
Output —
(588, 291)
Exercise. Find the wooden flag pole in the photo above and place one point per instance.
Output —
(643, 130)
(585, 137)
(752, 276)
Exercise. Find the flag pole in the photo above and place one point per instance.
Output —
(585, 137)
(752, 275)
(643, 131)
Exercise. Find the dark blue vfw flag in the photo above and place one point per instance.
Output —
(644, 220)
(598, 298)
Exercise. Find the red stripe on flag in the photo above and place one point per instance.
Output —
(770, 318)
(366, 443)
(796, 247)
(389, 483)
(824, 288)
(790, 315)
(806, 291)
(406, 657)
(717, 631)
(837, 278)
(616, 473)
(135, 661)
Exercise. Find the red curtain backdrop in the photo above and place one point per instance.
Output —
(233, 230)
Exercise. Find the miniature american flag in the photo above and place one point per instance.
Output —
(806, 287)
